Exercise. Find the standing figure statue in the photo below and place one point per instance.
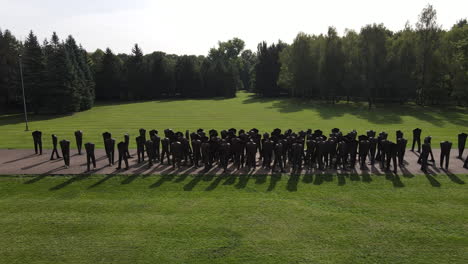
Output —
(54, 145)
(364, 146)
(445, 148)
(224, 150)
(401, 142)
(150, 152)
(65, 146)
(372, 149)
(165, 143)
(417, 139)
(79, 140)
(205, 150)
(278, 157)
(392, 153)
(142, 132)
(461, 144)
(121, 147)
(196, 148)
(127, 143)
(267, 149)
(109, 145)
(37, 137)
(156, 144)
(176, 152)
(251, 148)
(426, 148)
(90, 155)
(140, 141)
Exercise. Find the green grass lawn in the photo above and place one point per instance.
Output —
(206, 219)
(244, 111)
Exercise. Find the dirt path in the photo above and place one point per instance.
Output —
(26, 162)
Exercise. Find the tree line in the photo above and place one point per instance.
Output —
(420, 63)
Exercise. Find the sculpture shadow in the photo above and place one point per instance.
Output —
(69, 181)
(454, 178)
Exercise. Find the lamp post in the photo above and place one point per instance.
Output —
(24, 96)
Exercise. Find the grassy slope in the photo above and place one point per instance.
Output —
(185, 219)
(244, 111)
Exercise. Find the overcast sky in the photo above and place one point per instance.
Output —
(194, 26)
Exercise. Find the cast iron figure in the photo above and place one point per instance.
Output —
(461, 144)
(445, 148)
(417, 139)
(176, 152)
(426, 148)
(149, 152)
(54, 150)
(196, 148)
(364, 146)
(79, 140)
(37, 137)
(109, 145)
(251, 148)
(90, 155)
(65, 146)
(401, 142)
(127, 143)
(140, 141)
(122, 148)
(278, 157)
(267, 152)
(142, 134)
(165, 143)
(156, 144)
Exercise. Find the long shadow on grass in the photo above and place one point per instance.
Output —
(69, 181)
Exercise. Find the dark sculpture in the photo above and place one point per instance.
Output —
(445, 148)
(426, 148)
(364, 146)
(109, 145)
(156, 143)
(79, 140)
(37, 137)
(140, 141)
(142, 134)
(251, 149)
(196, 148)
(90, 155)
(127, 143)
(466, 163)
(65, 146)
(417, 139)
(267, 151)
(150, 152)
(176, 152)
(54, 150)
(401, 142)
(165, 150)
(122, 148)
(224, 149)
(391, 154)
(278, 157)
(461, 144)
(399, 134)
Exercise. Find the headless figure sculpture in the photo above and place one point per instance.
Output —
(54, 150)
(37, 137)
(90, 155)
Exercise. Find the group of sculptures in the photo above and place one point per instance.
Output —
(276, 150)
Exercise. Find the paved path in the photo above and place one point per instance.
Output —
(25, 162)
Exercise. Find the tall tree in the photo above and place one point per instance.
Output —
(428, 33)
(34, 72)
(9, 73)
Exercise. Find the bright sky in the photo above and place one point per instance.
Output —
(194, 26)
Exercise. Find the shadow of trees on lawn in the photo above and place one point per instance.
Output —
(382, 114)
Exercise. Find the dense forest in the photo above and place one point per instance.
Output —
(422, 63)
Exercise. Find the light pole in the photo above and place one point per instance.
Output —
(24, 96)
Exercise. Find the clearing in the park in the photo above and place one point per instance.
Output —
(160, 215)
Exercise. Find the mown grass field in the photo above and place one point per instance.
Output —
(244, 111)
(251, 219)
